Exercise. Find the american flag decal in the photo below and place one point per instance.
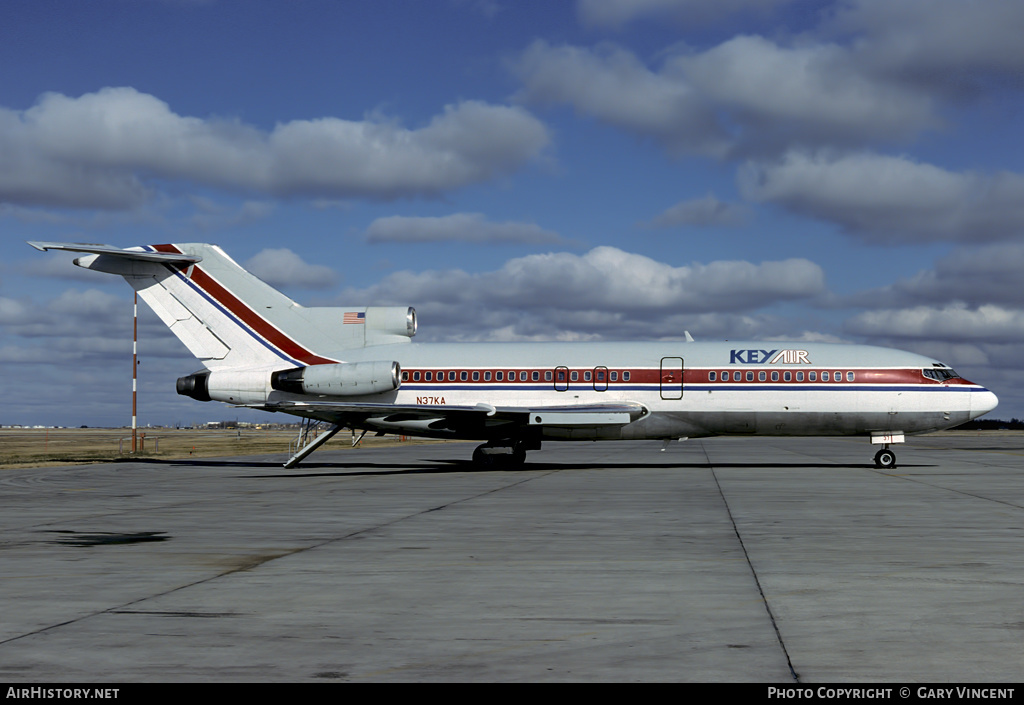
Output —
(353, 317)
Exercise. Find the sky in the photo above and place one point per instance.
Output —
(778, 170)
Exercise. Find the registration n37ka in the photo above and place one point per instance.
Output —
(357, 367)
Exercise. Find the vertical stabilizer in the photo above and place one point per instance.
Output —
(228, 317)
(224, 315)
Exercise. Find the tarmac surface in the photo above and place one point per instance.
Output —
(766, 560)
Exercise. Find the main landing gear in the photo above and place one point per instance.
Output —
(506, 453)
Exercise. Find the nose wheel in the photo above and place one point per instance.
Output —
(885, 459)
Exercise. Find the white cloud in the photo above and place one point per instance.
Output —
(613, 85)
(748, 95)
(953, 322)
(82, 330)
(949, 46)
(891, 199)
(973, 275)
(100, 149)
(706, 211)
(616, 13)
(605, 292)
(809, 94)
(458, 227)
(282, 267)
(89, 313)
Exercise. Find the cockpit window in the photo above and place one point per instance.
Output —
(940, 374)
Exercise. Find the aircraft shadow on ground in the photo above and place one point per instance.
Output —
(457, 465)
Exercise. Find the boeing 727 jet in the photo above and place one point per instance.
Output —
(357, 367)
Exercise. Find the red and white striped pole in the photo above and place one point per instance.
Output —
(135, 365)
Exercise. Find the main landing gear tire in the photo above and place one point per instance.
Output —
(489, 455)
(518, 456)
(885, 459)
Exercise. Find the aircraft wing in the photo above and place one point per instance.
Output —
(461, 417)
(140, 255)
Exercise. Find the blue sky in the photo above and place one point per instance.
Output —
(591, 170)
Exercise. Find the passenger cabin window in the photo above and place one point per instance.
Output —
(775, 376)
(799, 376)
(547, 375)
(451, 376)
(824, 376)
(427, 376)
(535, 376)
(463, 376)
(522, 376)
(625, 376)
(574, 375)
(416, 376)
(476, 375)
(487, 376)
(499, 376)
(405, 375)
(787, 376)
(812, 376)
(850, 377)
(615, 376)
(711, 376)
(750, 376)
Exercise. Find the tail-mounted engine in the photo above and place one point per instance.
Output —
(252, 386)
(195, 386)
(391, 320)
(344, 379)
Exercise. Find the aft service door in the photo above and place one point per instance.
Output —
(671, 378)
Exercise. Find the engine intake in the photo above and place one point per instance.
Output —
(392, 320)
(343, 379)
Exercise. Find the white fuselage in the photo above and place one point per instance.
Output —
(691, 389)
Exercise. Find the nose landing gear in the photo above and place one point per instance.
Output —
(885, 459)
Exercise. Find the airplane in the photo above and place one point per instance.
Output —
(356, 367)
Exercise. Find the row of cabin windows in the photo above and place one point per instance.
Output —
(787, 376)
(600, 374)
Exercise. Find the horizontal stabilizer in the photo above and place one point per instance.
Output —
(132, 254)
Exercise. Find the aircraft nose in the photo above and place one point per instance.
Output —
(983, 402)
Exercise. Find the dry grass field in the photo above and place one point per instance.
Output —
(24, 447)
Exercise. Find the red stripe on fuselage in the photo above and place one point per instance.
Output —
(244, 313)
(652, 375)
